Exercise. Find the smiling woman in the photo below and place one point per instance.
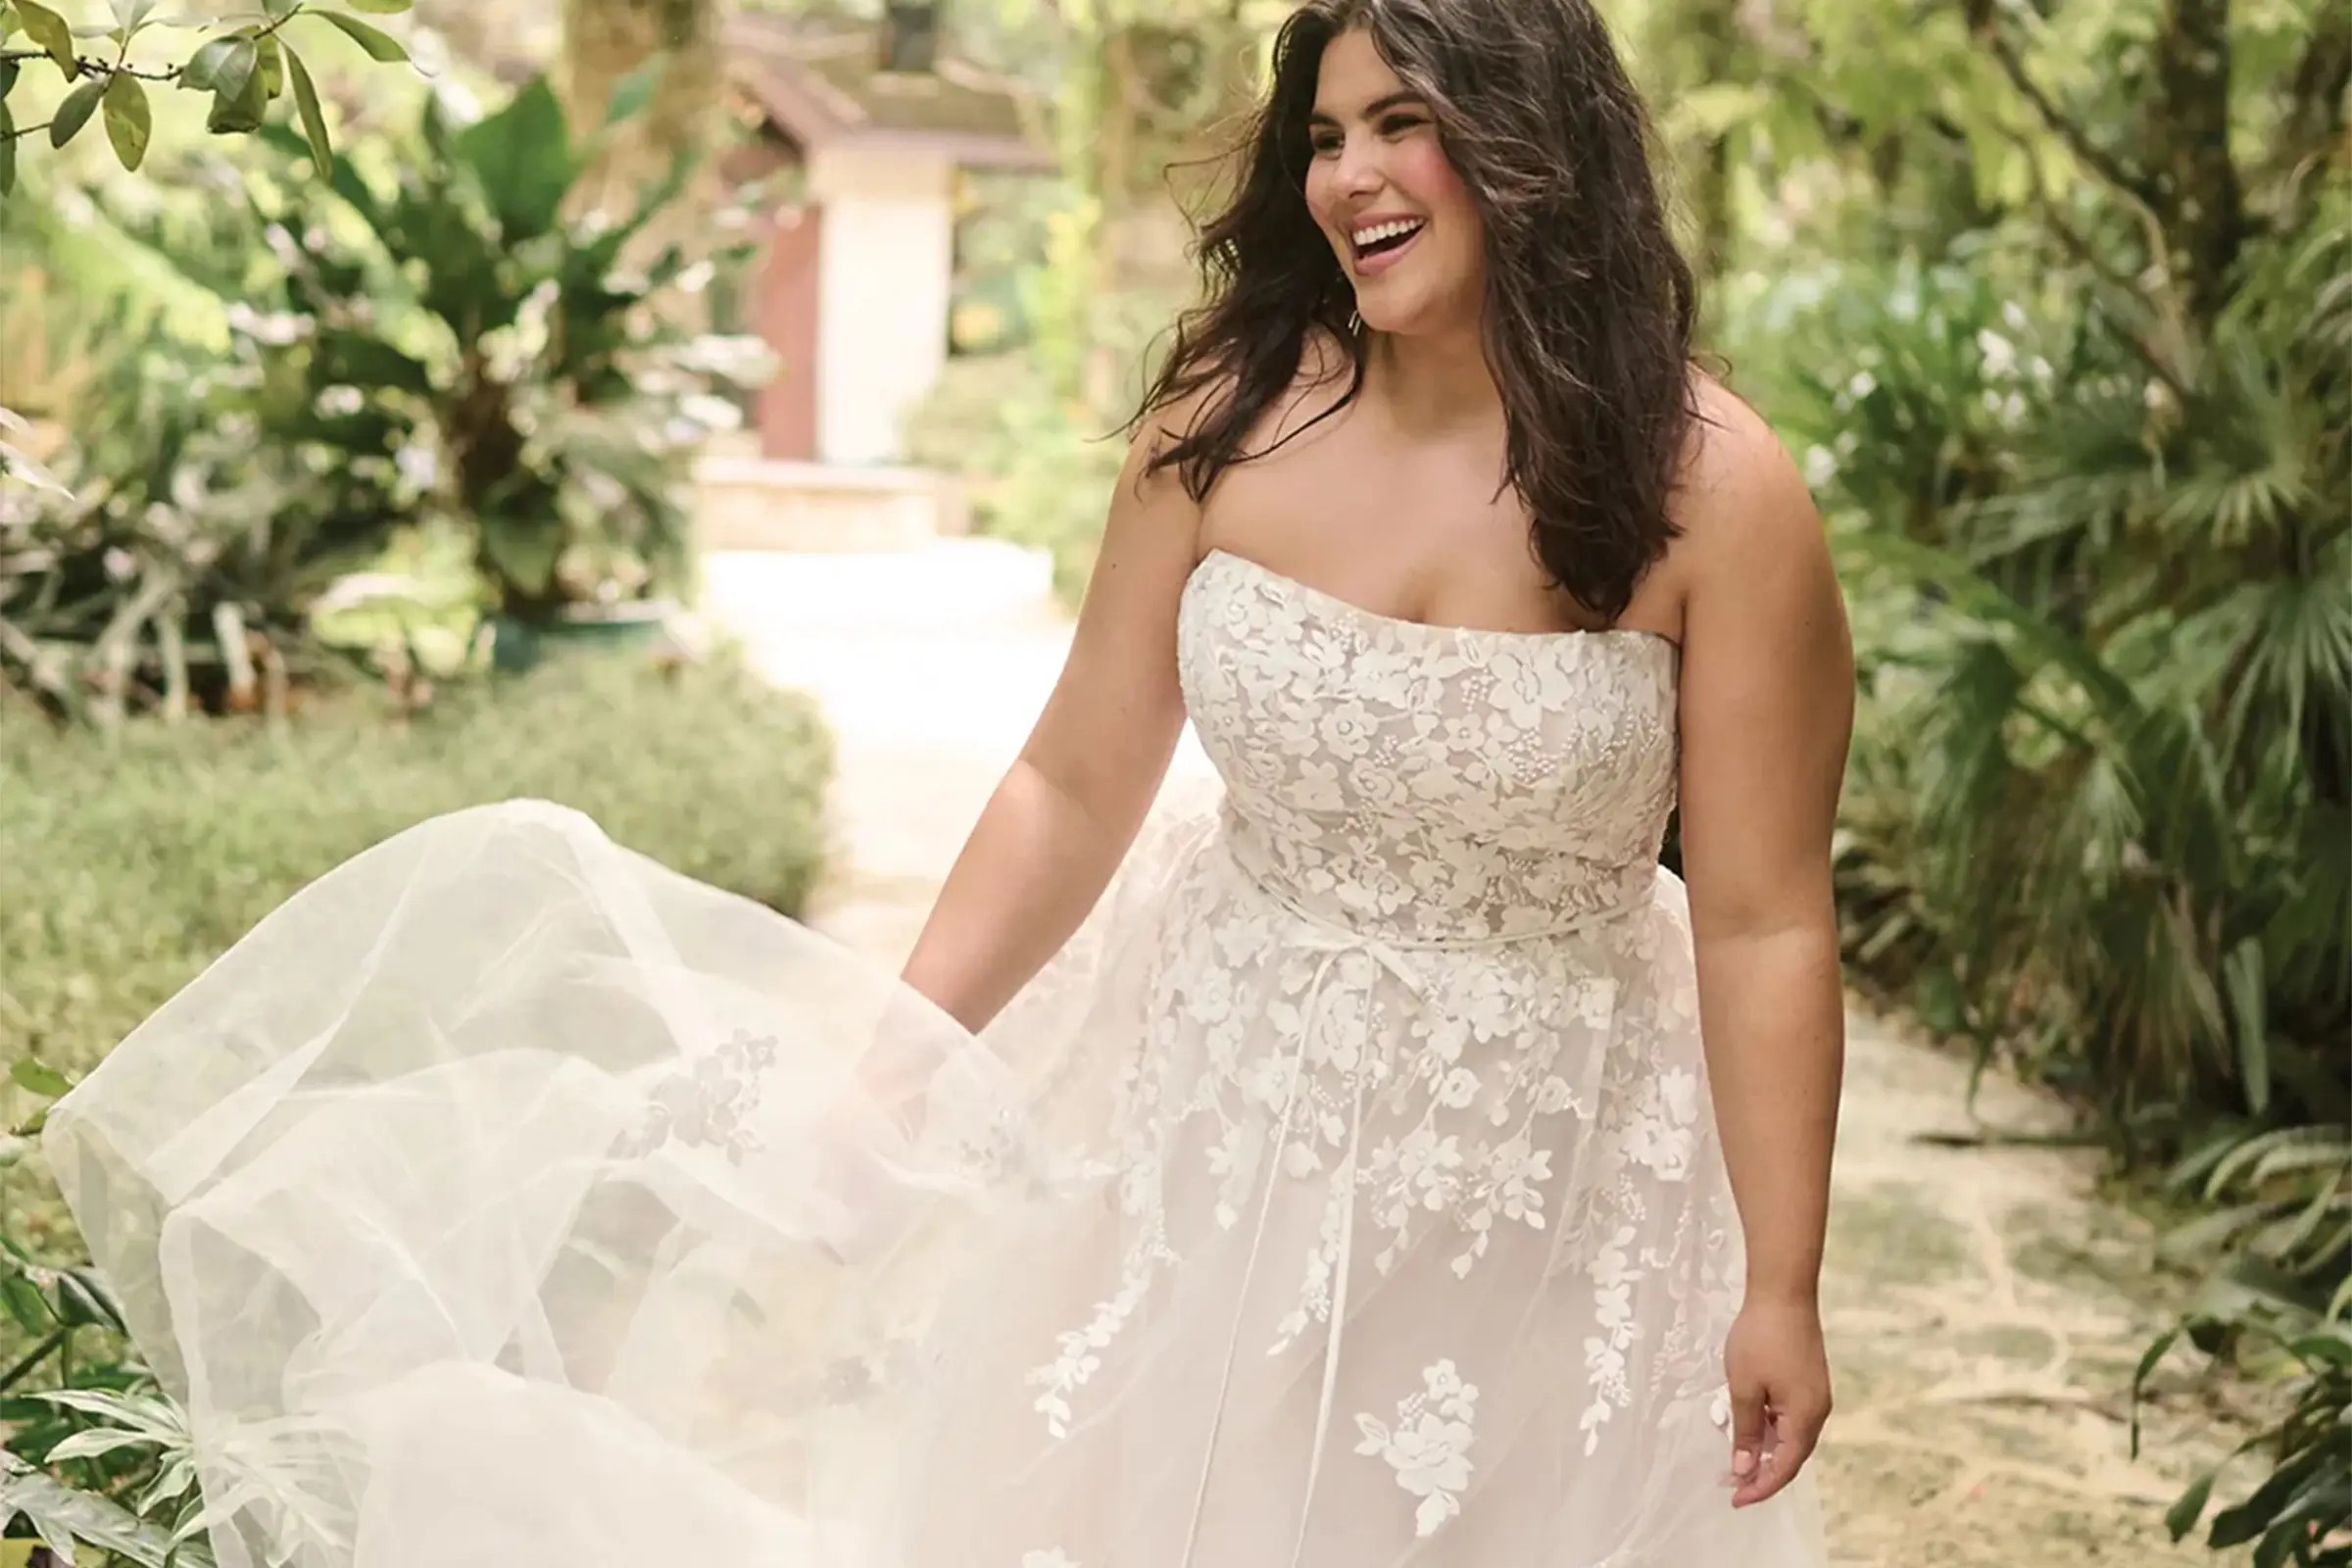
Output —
(1398, 215)
(1331, 1174)
(1512, 137)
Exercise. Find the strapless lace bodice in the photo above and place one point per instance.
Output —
(1428, 783)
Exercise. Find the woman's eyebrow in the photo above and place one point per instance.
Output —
(1378, 106)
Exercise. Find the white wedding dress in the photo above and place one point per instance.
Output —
(1347, 1195)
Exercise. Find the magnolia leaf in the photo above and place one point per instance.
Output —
(47, 28)
(221, 66)
(129, 122)
(75, 110)
(379, 44)
(242, 110)
(634, 91)
(314, 120)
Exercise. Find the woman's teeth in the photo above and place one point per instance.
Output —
(1381, 236)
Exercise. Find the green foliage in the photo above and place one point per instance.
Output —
(2075, 402)
(120, 895)
(95, 1456)
(245, 67)
(538, 367)
(437, 343)
(2123, 724)
(174, 560)
(2300, 1511)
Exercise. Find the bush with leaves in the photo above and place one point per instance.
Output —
(173, 559)
(2090, 460)
(539, 363)
(95, 1454)
(129, 890)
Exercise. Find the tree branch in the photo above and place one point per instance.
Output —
(2107, 166)
(90, 66)
(2315, 116)
(2165, 366)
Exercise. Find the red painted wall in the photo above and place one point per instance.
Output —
(788, 322)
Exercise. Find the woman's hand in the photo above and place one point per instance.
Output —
(1780, 1376)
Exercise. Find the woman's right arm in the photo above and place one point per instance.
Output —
(1072, 803)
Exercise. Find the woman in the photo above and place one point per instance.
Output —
(1374, 1194)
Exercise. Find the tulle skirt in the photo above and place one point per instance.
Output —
(507, 1200)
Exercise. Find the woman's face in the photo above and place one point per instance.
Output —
(1383, 193)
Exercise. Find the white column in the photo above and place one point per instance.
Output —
(885, 267)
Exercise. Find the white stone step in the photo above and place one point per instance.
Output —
(944, 586)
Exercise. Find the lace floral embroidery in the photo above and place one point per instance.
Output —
(703, 1103)
(1417, 1010)
(1429, 1447)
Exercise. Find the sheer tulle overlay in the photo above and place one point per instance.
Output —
(1345, 1194)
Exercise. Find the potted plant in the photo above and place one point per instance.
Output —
(561, 399)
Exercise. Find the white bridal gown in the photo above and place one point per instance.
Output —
(1345, 1196)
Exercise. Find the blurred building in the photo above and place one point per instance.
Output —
(874, 126)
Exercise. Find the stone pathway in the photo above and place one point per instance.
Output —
(1985, 1304)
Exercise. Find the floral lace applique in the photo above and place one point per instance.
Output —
(1429, 1447)
(702, 1105)
(1413, 1006)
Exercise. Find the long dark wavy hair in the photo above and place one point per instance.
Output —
(1589, 305)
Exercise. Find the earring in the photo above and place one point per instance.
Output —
(1355, 323)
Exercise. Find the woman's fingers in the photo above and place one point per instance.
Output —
(1795, 1430)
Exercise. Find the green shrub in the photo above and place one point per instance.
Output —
(132, 861)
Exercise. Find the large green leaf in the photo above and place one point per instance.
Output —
(380, 45)
(523, 552)
(47, 28)
(129, 121)
(522, 156)
(221, 65)
(75, 110)
(313, 118)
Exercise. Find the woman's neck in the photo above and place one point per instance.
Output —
(1434, 383)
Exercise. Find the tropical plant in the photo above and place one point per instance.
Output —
(2300, 1511)
(173, 559)
(95, 1456)
(548, 385)
(2096, 444)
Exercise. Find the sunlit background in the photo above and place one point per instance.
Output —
(702, 412)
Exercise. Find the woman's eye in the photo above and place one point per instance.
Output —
(1400, 124)
(1325, 146)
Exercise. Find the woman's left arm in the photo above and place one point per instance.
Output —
(1767, 709)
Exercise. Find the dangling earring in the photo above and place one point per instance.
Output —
(1355, 323)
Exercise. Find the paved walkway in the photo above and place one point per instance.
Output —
(1985, 1304)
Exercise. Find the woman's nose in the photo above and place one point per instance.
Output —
(1358, 173)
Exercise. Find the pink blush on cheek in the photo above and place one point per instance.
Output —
(1425, 176)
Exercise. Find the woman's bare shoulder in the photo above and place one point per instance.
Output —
(1740, 491)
